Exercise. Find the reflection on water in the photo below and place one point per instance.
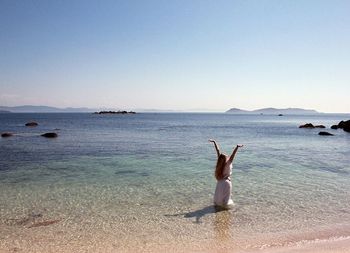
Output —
(223, 223)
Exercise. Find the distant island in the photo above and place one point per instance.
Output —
(114, 112)
(273, 111)
(3, 111)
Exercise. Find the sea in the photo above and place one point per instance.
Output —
(145, 182)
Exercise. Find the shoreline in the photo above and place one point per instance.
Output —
(45, 240)
(332, 245)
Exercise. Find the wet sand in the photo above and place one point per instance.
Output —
(341, 245)
(55, 241)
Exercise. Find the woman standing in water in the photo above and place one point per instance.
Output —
(222, 197)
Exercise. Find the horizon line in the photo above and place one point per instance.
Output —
(153, 110)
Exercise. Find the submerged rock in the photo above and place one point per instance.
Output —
(24, 221)
(32, 124)
(49, 135)
(7, 134)
(334, 127)
(44, 223)
(325, 134)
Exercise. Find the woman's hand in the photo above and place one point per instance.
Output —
(239, 145)
(216, 146)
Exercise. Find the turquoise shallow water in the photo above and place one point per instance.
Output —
(138, 181)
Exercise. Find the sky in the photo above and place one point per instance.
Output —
(176, 55)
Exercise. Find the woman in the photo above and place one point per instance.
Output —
(222, 197)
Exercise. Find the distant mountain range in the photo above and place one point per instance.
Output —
(49, 109)
(3, 111)
(272, 111)
(33, 108)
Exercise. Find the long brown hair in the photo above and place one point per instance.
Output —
(220, 165)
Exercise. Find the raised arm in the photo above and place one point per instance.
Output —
(234, 152)
(216, 147)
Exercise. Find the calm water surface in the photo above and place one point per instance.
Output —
(139, 181)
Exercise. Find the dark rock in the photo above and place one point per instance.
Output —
(114, 112)
(334, 127)
(341, 124)
(325, 134)
(347, 129)
(49, 135)
(6, 135)
(308, 125)
(344, 124)
(32, 124)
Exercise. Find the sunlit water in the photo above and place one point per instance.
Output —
(141, 182)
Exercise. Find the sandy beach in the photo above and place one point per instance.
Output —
(47, 239)
(341, 245)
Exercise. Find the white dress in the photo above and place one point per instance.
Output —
(222, 196)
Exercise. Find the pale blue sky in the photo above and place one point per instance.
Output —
(182, 55)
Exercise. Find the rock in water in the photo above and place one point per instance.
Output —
(49, 135)
(341, 124)
(308, 125)
(6, 134)
(325, 134)
(32, 124)
(345, 125)
(320, 126)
